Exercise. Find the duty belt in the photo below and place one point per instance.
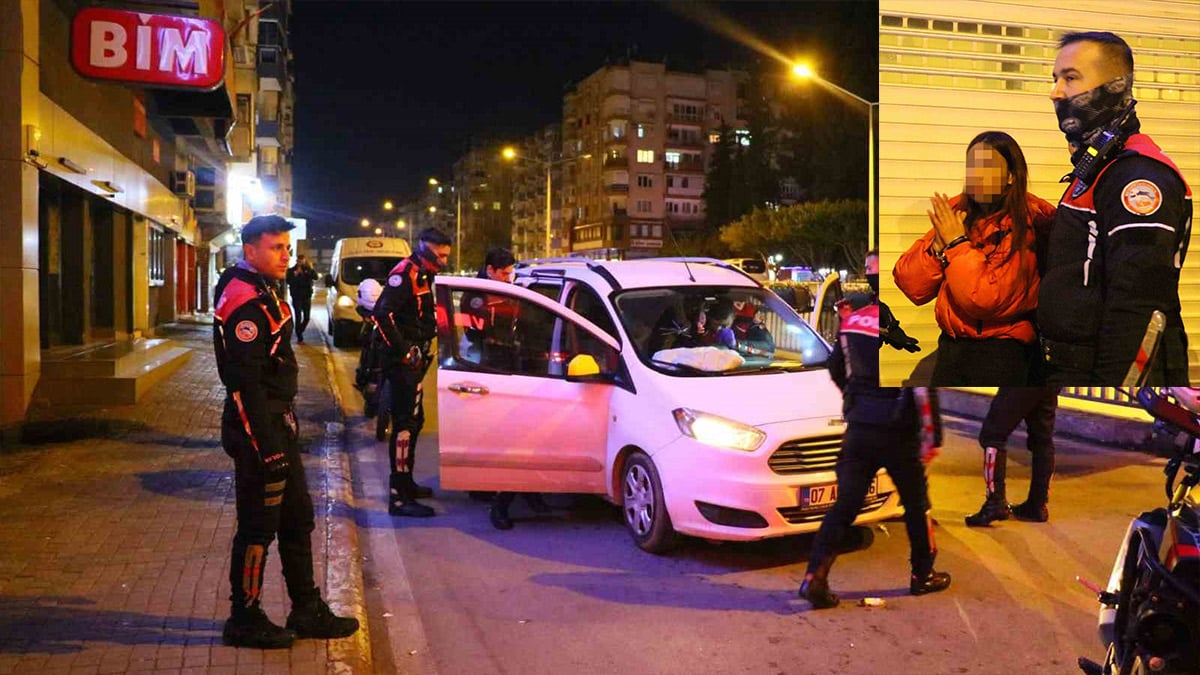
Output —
(1067, 355)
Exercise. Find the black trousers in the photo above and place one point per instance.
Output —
(266, 509)
(963, 362)
(1037, 407)
(865, 449)
(408, 417)
(302, 304)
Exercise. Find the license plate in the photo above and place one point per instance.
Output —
(823, 496)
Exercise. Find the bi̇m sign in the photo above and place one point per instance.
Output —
(157, 50)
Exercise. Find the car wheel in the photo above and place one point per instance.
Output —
(383, 412)
(644, 508)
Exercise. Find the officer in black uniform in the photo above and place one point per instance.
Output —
(407, 323)
(1120, 234)
(252, 338)
(300, 280)
(883, 430)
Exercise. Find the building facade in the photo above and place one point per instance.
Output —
(115, 195)
(636, 145)
(537, 190)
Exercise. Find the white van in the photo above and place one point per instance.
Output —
(356, 259)
(679, 389)
(755, 267)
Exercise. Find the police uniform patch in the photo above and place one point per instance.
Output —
(1141, 197)
(395, 280)
(246, 331)
(476, 303)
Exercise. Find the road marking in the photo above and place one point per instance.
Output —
(963, 613)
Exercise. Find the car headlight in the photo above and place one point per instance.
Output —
(345, 301)
(718, 431)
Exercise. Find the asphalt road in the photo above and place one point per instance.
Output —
(569, 592)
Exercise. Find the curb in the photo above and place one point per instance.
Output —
(1088, 427)
(343, 553)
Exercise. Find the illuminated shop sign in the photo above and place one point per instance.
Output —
(157, 50)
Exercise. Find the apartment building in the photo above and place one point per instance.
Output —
(636, 144)
(537, 177)
(483, 183)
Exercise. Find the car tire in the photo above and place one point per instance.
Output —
(383, 411)
(643, 506)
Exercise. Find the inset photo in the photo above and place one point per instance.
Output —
(1036, 169)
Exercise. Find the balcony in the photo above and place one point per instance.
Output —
(272, 68)
(685, 167)
(690, 142)
(620, 114)
(617, 188)
(610, 139)
(268, 133)
(616, 162)
(688, 120)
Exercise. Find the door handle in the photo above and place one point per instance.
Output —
(460, 388)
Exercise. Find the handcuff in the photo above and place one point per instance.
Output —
(941, 255)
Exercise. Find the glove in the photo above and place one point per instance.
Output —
(414, 358)
(898, 339)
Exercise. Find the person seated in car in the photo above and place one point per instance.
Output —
(751, 337)
(491, 319)
(681, 325)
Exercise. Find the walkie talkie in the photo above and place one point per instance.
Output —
(1108, 143)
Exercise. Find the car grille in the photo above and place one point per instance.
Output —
(806, 456)
(798, 515)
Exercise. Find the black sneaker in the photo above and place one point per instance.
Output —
(929, 583)
(410, 510)
(253, 629)
(816, 591)
(314, 619)
(992, 510)
(1031, 513)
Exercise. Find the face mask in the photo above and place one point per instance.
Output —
(429, 259)
(1082, 116)
(873, 279)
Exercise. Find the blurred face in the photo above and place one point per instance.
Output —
(504, 274)
(987, 174)
(440, 253)
(270, 255)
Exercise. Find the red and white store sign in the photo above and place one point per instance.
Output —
(160, 50)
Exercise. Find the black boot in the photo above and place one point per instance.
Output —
(314, 619)
(252, 628)
(422, 492)
(499, 517)
(930, 582)
(815, 589)
(410, 509)
(1031, 511)
(402, 498)
(995, 508)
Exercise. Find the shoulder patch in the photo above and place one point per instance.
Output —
(395, 280)
(1141, 197)
(246, 331)
(476, 302)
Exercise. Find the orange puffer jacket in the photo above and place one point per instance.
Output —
(979, 294)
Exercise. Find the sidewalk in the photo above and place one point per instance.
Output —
(115, 529)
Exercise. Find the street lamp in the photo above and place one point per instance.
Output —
(387, 205)
(364, 222)
(803, 72)
(509, 153)
(378, 231)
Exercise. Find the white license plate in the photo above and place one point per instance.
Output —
(822, 496)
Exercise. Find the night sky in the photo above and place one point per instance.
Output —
(390, 93)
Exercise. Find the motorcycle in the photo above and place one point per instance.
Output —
(1150, 611)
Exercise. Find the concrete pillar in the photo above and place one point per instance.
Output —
(20, 352)
(139, 288)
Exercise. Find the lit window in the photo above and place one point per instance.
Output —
(671, 157)
(439, 189)
(743, 136)
(641, 131)
(475, 205)
(645, 156)
(714, 138)
(495, 206)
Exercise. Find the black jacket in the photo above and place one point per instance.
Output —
(405, 310)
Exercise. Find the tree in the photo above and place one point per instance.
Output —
(718, 183)
(817, 234)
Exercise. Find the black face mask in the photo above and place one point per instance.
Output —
(873, 279)
(1083, 116)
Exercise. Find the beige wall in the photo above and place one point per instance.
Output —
(939, 86)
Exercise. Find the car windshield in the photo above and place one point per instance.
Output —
(357, 270)
(707, 330)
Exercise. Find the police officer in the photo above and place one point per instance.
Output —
(252, 338)
(300, 280)
(407, 322)
(884, 429)
(1121, 230)
(492, 318)
(1037, 407)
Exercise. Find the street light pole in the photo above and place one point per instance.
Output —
(549, 207)
(458, 228)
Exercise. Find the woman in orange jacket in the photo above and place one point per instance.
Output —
(979, 260)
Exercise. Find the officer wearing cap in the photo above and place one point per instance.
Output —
(1120, 233)
(405, 314)
(252, 331)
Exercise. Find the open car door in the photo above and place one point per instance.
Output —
(520, 407)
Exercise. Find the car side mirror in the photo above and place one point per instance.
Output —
(583, 368)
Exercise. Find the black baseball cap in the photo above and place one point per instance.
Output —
(257, 226)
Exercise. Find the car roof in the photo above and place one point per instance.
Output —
(640, 273)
